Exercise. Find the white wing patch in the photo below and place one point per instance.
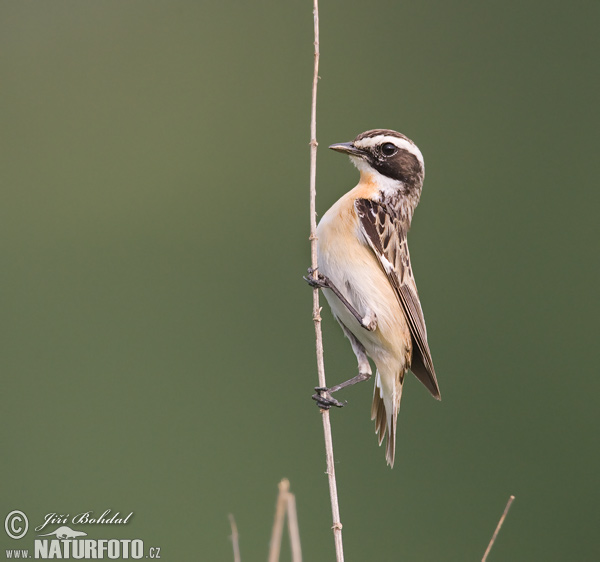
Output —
(387, 265)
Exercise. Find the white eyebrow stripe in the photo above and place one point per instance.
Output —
(400, 143)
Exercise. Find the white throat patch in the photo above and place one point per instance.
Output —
(388, 186)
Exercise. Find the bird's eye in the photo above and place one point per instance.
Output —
(388, 149)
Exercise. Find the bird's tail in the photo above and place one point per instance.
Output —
(384, 410)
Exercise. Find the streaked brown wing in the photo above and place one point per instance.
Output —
(388, 241)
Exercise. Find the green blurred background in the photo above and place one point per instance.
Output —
(158, 349)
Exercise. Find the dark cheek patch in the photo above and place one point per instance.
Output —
(404, 167)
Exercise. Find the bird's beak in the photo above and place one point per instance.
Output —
(347, 148)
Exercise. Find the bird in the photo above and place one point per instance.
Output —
(364, 271)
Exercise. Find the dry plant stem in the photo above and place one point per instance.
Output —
(293, 528)
(508, 504)
(235, 539)
(335, 510)
(275, 545)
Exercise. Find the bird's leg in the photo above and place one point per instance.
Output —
(368, 322)
(323, 395)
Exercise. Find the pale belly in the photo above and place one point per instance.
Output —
(353, 268)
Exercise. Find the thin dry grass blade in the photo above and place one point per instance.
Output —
(498, 527)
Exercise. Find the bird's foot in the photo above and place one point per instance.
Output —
(318, 281)
(324, 399)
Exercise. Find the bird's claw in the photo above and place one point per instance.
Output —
(324, 399)
(316, 282)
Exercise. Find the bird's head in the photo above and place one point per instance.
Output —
(389, 159)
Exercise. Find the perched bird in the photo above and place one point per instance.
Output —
(365, 273)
